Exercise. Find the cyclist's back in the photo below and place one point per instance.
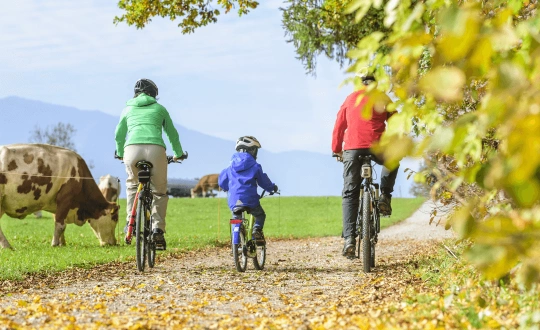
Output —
(144, 120)
(241, 179)
(352, 137)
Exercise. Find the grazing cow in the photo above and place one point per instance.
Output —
(37, 177)
(205, 186)
(110, 187)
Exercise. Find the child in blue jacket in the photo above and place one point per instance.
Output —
(241, 178)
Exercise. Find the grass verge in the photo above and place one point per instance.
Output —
(191, 224)
(455, 296)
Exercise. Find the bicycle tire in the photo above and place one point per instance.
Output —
(240, 258)
(375, 214)
(260, 258)
(151, 246)
(359, 232)
(139, 235)
(366, 232)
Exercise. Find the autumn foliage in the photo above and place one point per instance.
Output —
(467, 77)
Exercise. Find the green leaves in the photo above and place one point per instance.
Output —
(192, 13)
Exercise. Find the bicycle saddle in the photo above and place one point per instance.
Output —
(238, 209)
(144, 163)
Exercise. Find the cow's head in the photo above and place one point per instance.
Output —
(105, 225)
(109, 187)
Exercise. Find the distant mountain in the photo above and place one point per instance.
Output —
(299, 173)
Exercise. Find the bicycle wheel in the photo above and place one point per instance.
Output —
(260, 258)
(366, 232)
(151, 246)
(359, 232)
(375, 214)
(140, 235)
(240, 257)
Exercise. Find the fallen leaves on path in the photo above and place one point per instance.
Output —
(306, 284)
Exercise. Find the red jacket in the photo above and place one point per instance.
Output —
(351, 128)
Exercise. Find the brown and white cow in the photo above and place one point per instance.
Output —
(37, 177)
(110, 187)
(205, 186)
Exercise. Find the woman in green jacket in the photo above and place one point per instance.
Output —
(144, 120)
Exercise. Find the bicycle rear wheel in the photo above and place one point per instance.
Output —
(366, 232)
(151, 246)
(140, 235)
(260, 258)
(240, 257)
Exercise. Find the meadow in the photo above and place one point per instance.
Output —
(191, 224)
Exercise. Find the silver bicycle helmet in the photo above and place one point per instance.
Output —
(248, 144)
(146, 86)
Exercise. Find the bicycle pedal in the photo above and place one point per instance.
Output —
(161, 247)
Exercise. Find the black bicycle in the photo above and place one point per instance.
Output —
(368, 222)
(140, 220)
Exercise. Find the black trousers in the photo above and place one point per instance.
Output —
(351, 186)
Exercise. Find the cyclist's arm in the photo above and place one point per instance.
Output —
(223, 180)
(263, 180)
(120, 135)
(172, 134)
(339, 129)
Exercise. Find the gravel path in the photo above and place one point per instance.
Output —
(306, 284)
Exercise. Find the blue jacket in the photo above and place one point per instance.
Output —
(241, 178)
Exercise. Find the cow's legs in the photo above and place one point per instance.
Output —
(58, 238)
(3, 240)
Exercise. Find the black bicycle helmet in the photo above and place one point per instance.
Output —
(147, 87)
(248, 144)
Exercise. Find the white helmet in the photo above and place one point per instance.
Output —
(248, 144)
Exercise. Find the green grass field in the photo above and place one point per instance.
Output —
(191, 224)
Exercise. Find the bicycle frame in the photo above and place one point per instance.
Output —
(133, 214)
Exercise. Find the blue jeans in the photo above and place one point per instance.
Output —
(259, 215)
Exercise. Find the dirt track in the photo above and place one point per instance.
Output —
(306, 284)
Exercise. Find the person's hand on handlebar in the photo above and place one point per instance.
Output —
(275, 188)
(339, 156)
(183, 157)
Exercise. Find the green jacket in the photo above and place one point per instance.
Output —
(142, 120)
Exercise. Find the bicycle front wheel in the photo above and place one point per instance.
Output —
(366, 232)
(140, 235)
(240, 256)
(375, 230)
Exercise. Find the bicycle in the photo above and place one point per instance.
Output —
(368, 222)
(243, 246)
(140, 215)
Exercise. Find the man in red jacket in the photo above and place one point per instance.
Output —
(353, 136)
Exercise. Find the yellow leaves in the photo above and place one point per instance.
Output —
(394, 149)
(444, 83)
(459, 30)
(480, 57)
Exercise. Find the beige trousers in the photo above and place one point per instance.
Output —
(156, 155)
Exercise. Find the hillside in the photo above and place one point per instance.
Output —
(297, 173)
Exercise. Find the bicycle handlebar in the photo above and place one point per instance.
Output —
(170, 159)
(269, 193)
(338, 156)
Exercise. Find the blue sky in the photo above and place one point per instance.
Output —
(233, 78)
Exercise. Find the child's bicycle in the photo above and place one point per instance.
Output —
(368, 222)
(139, 219)
(243, 246)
